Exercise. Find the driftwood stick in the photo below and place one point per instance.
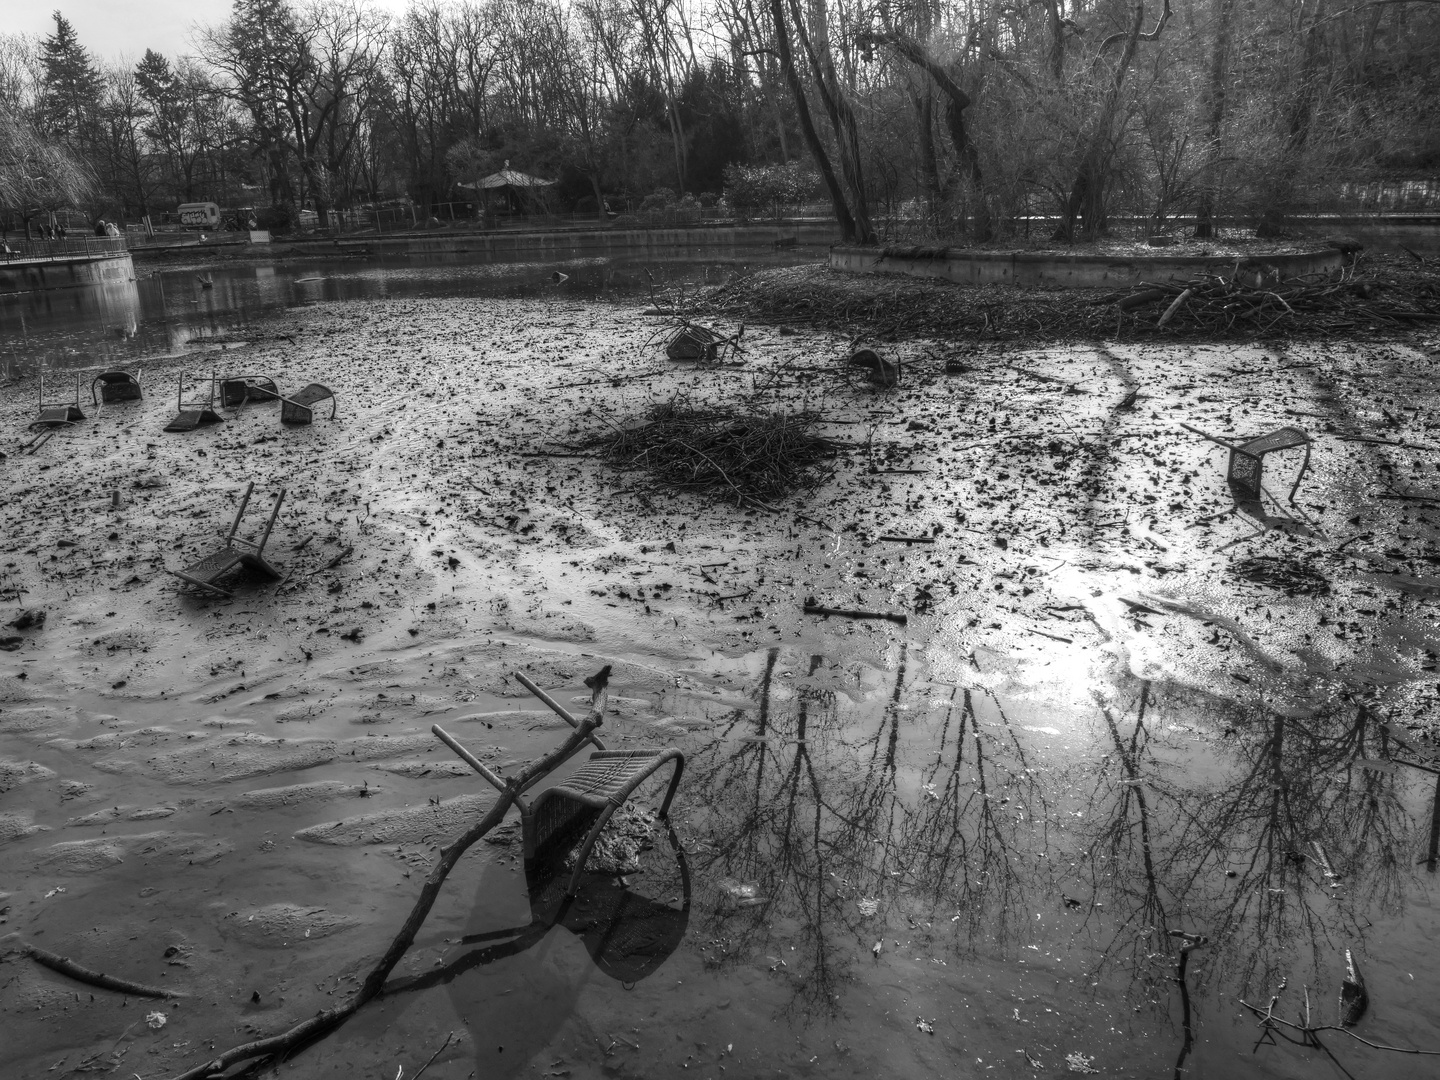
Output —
(65, 966)
(845, 613)
(327, 1020)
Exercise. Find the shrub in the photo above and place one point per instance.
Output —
(751, 188)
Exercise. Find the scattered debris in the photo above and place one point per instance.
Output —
(812, 608)
(757, 457)
(1354, 999)
(878, 370)
(1290, 576)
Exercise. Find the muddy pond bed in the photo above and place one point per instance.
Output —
(1126, 719)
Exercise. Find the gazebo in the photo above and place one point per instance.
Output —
(511, 184)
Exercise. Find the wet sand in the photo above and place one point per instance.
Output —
(1113, 688)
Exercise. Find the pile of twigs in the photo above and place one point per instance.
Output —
(1222, 305)
(753, 457)
(1380, 294)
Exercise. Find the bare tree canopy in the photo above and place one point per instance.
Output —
(952, 119)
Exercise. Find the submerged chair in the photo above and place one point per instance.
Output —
(1247, 459)
(693, 342)
(300, 408)
(236, 551)
(56, 413)
(239, 389)
(191, 414)
(584, 801)
(115, 386)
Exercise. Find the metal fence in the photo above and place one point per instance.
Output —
(70, 247)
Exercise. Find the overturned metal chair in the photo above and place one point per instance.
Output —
(693, 342)
(629, 934)
(235, 552)
(53, 414)
(240, 389)
(586, 799)
(1247, 459)
(191, 414)
(115, 386)
(299, 408)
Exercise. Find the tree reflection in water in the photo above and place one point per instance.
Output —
(821, 811)
(1278, 832)
(1280, 844)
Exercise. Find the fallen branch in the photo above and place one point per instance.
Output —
(846, 613)
(279, 1046)
(65, 966)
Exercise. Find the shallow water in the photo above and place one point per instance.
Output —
(166, 311)
(958, 846)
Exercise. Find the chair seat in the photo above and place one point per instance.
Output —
(298, 407)
(58, 414)
(600, 779)
(239, 389)
(311, 394)
(1284, 438)
(116, 386)
(190, 419)
(215, 564)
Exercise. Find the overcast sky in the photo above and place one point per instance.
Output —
(112, 29)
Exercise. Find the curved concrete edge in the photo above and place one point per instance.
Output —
(64, 272)
(1069, 271)
(509, 245)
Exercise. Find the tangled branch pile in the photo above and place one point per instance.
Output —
(1382, 293)
(757, 457)
(1316, 304)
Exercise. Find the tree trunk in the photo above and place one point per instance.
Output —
(599, 195)
(1214, 150)
(924, 104)
(1057, 39)
(1086, 202)
(807, 124)
(841, 116)
(956, 102)
(1282, 188)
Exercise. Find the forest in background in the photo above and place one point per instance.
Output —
(954, 119)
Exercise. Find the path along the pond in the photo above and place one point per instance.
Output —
(1120, 707)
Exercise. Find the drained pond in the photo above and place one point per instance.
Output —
(1015, 741)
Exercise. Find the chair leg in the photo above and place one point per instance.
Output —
(1304, 467)
(584, 855)
(240, 513)
(670, 791)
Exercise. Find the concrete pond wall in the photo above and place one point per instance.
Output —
(1056, 269)
(65, 272)
(504, 246)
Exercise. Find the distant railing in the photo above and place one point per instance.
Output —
(70, 247)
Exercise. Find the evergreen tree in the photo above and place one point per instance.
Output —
(70, 97)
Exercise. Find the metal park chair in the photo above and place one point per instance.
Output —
(627, 933)
(586, 799)
(1247, 459)
(235, 552)
(191, 414)
(115, 386)
(239, 389)
(55, 414)
(299, 408)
